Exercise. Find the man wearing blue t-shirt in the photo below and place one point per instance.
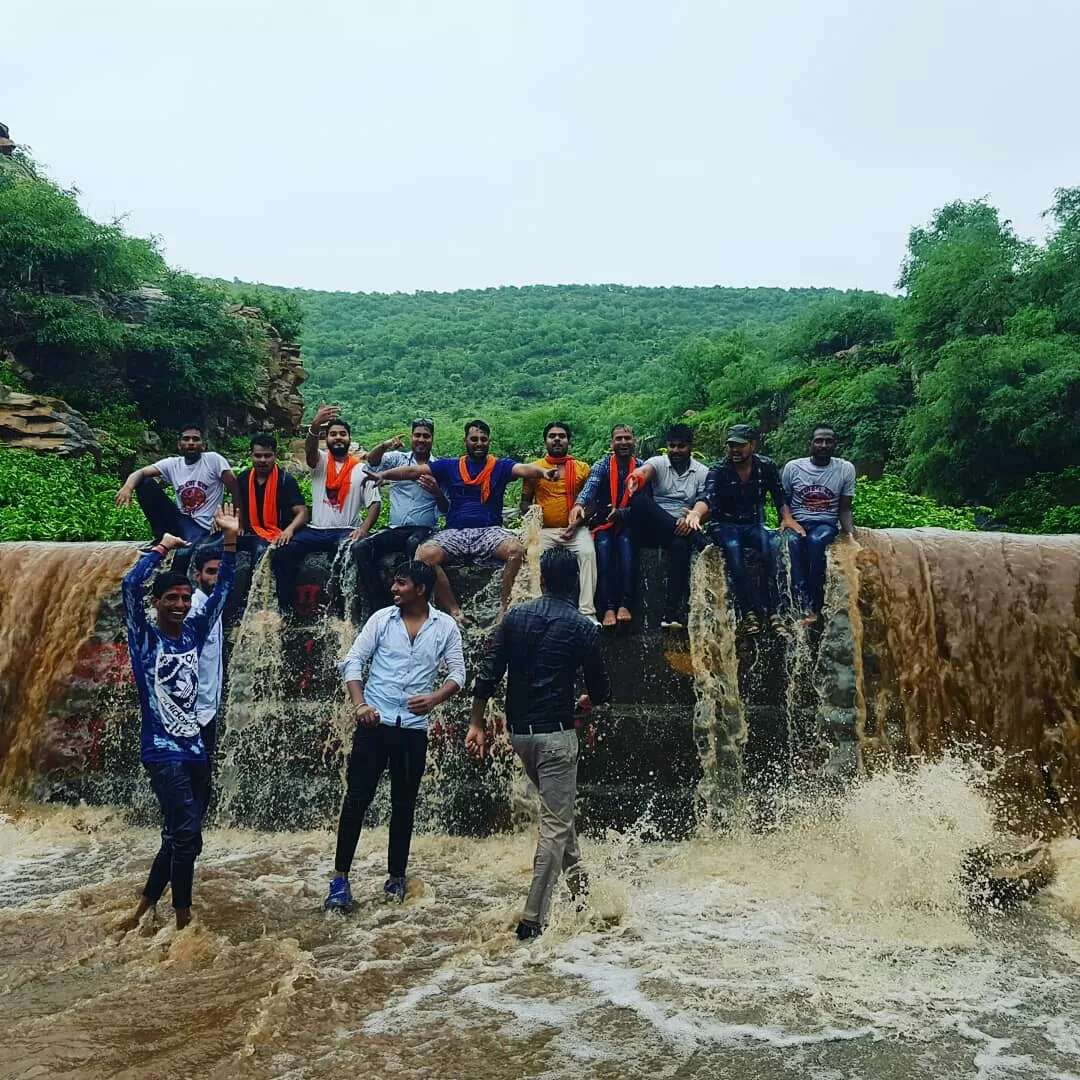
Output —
(165, 661)
(474, 484)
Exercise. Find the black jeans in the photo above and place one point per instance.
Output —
(653, 526)
(183, 792)
(404, 751)
(163, 516)
(369, 552)
(287, 559)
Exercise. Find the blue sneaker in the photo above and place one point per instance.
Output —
(340, 898)
(395, 889)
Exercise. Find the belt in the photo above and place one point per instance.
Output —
(543, 727)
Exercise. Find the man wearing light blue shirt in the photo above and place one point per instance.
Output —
(207, 563)
(407, 646)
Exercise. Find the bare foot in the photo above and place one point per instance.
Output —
(609, 619)
(133, 920)
(624, 615)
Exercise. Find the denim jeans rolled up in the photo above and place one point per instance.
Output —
(809, 559)
(614, 569)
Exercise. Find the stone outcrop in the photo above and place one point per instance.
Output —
(45, 425)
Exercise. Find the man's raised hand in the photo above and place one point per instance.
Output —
(324, 415)
(173, 543)
(227, 520)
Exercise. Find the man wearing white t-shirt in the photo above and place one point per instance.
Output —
(820, 490)
(198, 476)
(339, 492)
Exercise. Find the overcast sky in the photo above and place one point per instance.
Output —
(347, 144)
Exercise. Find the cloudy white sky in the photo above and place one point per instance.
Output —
(348, 144)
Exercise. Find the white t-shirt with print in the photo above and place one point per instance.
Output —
(324, 515)
(198, 486)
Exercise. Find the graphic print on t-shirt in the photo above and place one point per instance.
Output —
(817, 499)
(176, 690)
(191, 496)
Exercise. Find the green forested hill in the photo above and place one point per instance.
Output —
(588, 351)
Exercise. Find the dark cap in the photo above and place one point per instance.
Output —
(741, 433)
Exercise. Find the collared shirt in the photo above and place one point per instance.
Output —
(674, 490)
(210, 665)
(597, 488)
(734, 502)
(551, 494)
(401, 668)
(410, 504)
(166, 669)
(544, 643)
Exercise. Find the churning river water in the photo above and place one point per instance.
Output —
(838, 946)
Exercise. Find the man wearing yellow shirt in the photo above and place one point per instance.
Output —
(555, 498)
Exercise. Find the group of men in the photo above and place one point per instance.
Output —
(408, 657)
(603, 513)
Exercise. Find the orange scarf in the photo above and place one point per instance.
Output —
(482, 478)
(613, 480)
(338, 481)
(569, 479)
(266, 523)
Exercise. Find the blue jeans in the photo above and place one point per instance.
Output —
(183, 792)
(287, 559)
(808, 560)
(614, 569)
(732, 539)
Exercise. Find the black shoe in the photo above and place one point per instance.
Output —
(528, 930)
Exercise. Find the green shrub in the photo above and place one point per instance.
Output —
(887, 504)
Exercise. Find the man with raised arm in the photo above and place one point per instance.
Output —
(734, 502)
(408, 646)
(605, 499)
(272, 508)
(556, 500)
(339, 492)
(543, 644)
(662, 493)
(475, 484)
(414, 509)
(198, 477)
(820, 489)
(165, 661)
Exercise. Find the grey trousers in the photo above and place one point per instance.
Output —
(551, 764)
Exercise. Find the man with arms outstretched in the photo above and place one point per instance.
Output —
(542, 645)
(338, 495)
(165, 661)
(407, 646)
(475, 484)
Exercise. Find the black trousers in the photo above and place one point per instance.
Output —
(652, 526)
(404, 752)
(369, 552)
(163, 516)
(183, 792)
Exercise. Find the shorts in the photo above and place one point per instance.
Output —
(474, 545)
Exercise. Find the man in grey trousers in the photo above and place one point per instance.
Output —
(541, 645)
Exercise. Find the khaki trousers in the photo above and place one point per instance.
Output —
(551, 764)
(582, 546)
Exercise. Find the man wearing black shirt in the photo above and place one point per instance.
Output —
(734, 502)
(544, 643)
(255, 484)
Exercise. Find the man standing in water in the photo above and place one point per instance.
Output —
(821, 490)
(165, 662)
(338, 492)
(544, 643)
(475, 485)
(198, 476)
(406, 646)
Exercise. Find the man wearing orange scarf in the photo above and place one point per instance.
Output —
(340, 492)
(271, 507)
(606, 499)
(474, 485)
(556, 500)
